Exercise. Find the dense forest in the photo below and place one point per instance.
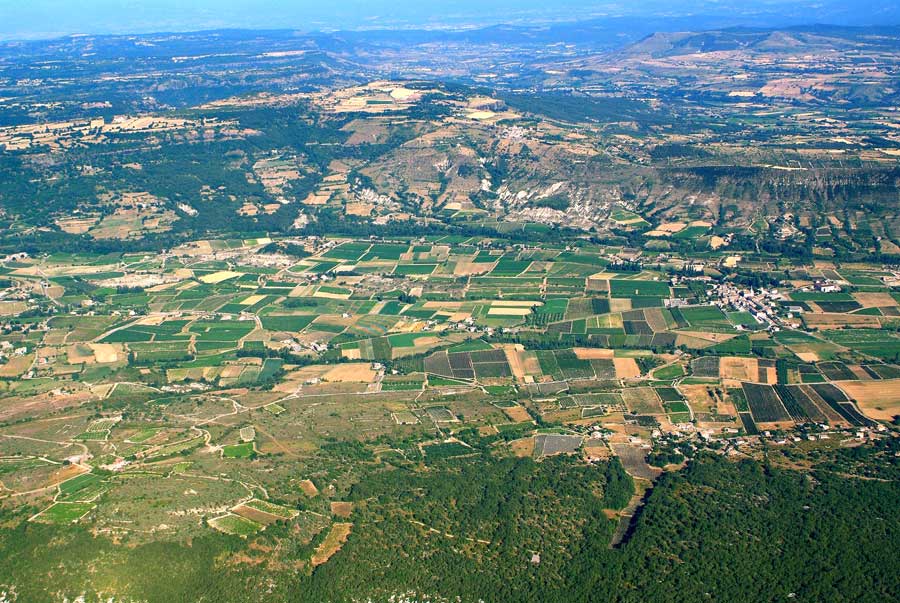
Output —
(717, 531)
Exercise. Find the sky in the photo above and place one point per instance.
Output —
(29, 19)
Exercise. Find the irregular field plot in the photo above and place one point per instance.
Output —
(235, 524)
(238, 451)
(264, 512)
(64, 512)
(332, 543)
(643, 401)
(879, 400)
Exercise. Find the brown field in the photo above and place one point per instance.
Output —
(875, 300)
(517, 414)
(713, 337)
(655, 319)
(351, 353)
(597, 450)
(440, 305)
(523, 447)
(326, 295)
(879, 400)
(57, 337)
(597, 284)
(255, 515)
(698, 397)
(317, 199)
(341, 509)
(690, 341)
(231, 371)
(487, 430)
(133, 223)
(64, 473)
(76, 225)
(465, 268)
(218, 277)
(530, 363)
(366, 132)
(837, 321)
(515, 361)
(11, 308)
(724, 406)
(889, 247)
(351, 372)
(248, 209)
(359, 209)
(620, 304)
(346, 387)
(741, 369)
(643, 400)
(194, 248)
(309, 488)
(664, 230)
(507, 311)
(715, 242)
(593, 353)
(859, 372)
(332, 543)
(16, 365)
(78, 354)
(626, 368)
(423, 344)
(44, 403)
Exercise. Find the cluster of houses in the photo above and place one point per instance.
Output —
(762, 304)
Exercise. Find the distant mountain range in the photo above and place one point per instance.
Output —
(603, 21)
(654, 36)
(792, 39)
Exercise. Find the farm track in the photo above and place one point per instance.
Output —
(277, 443)
(448, 534)
(86, 468)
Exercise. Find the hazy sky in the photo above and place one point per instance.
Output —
(49, 18)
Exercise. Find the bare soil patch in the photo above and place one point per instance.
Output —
(514, 361)
(593, 353)
(465, 268)
(626, 368)
(523, 447)
(309, 488)
(332, 543)
(740, 369)
(341, 509)
(837, 321)
(351, 373)
(879, 400)
(875, 300)
(517, 414)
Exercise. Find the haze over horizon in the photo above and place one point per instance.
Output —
(40, 19)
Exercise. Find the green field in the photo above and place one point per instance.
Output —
(64, 512)
(238, 451)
